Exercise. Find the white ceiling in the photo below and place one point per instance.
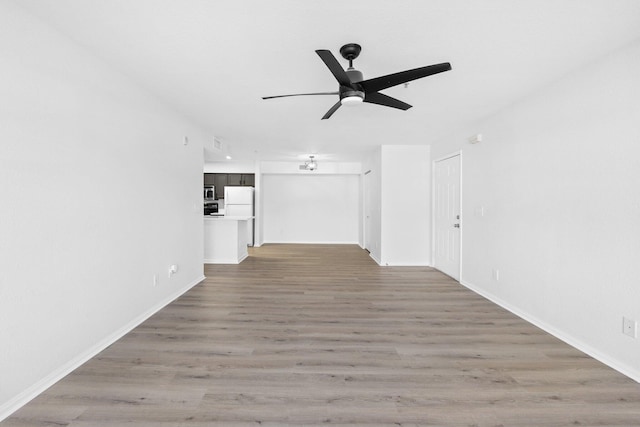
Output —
(213, 60)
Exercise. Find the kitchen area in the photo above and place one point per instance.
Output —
(229, 213)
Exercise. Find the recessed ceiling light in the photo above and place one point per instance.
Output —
(228, 157)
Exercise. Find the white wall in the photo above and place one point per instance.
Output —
(310, 208)
(406, 195)
(400, 211)
(230, 167)
(557, 175)
(324, 168)
(98, 193)
(372, 186)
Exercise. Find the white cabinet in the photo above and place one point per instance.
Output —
(225, 239)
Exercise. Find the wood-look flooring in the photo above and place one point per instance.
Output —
(307, 335)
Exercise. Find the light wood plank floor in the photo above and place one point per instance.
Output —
(315, 335)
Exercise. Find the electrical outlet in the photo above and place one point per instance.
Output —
(155, 280)
(495, 274)
(629, 327)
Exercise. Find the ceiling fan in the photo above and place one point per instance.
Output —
(354, 90)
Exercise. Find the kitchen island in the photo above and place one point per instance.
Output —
(226, 239)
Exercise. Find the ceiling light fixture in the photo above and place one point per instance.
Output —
(351, 100)
(311, 165)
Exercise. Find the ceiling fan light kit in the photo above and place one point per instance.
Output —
(352, 100)
(354, 90)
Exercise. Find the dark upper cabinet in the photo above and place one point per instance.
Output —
(248, 180)
(241, 179)
(234, 179)
(221, 180)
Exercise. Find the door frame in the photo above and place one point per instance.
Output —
(433, 209)
(366, 232)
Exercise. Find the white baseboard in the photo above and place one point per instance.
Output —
(36, 389)
(405, 265)
(283, 242)
(401, 264)
(374, 258)
(225, 260)
(624, 369)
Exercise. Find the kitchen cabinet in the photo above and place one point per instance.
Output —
(248, 180)
(221, 180)
(226, 239)
(241, 179)
(234, 179)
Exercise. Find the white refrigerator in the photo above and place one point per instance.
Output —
(238, 201)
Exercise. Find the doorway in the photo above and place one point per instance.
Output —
(446, 258)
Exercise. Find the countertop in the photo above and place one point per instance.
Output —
(227, 218)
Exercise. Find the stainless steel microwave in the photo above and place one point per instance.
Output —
(209, 193)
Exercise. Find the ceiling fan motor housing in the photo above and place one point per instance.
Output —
(355, 91)
(354, 75)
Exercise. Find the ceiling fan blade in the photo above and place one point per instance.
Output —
(387, 101)
(334, 66)
(383, 82)
(332, 110)
(301, 94)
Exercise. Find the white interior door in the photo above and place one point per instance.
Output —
(447, 216)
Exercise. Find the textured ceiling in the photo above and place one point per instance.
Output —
(213, 61)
